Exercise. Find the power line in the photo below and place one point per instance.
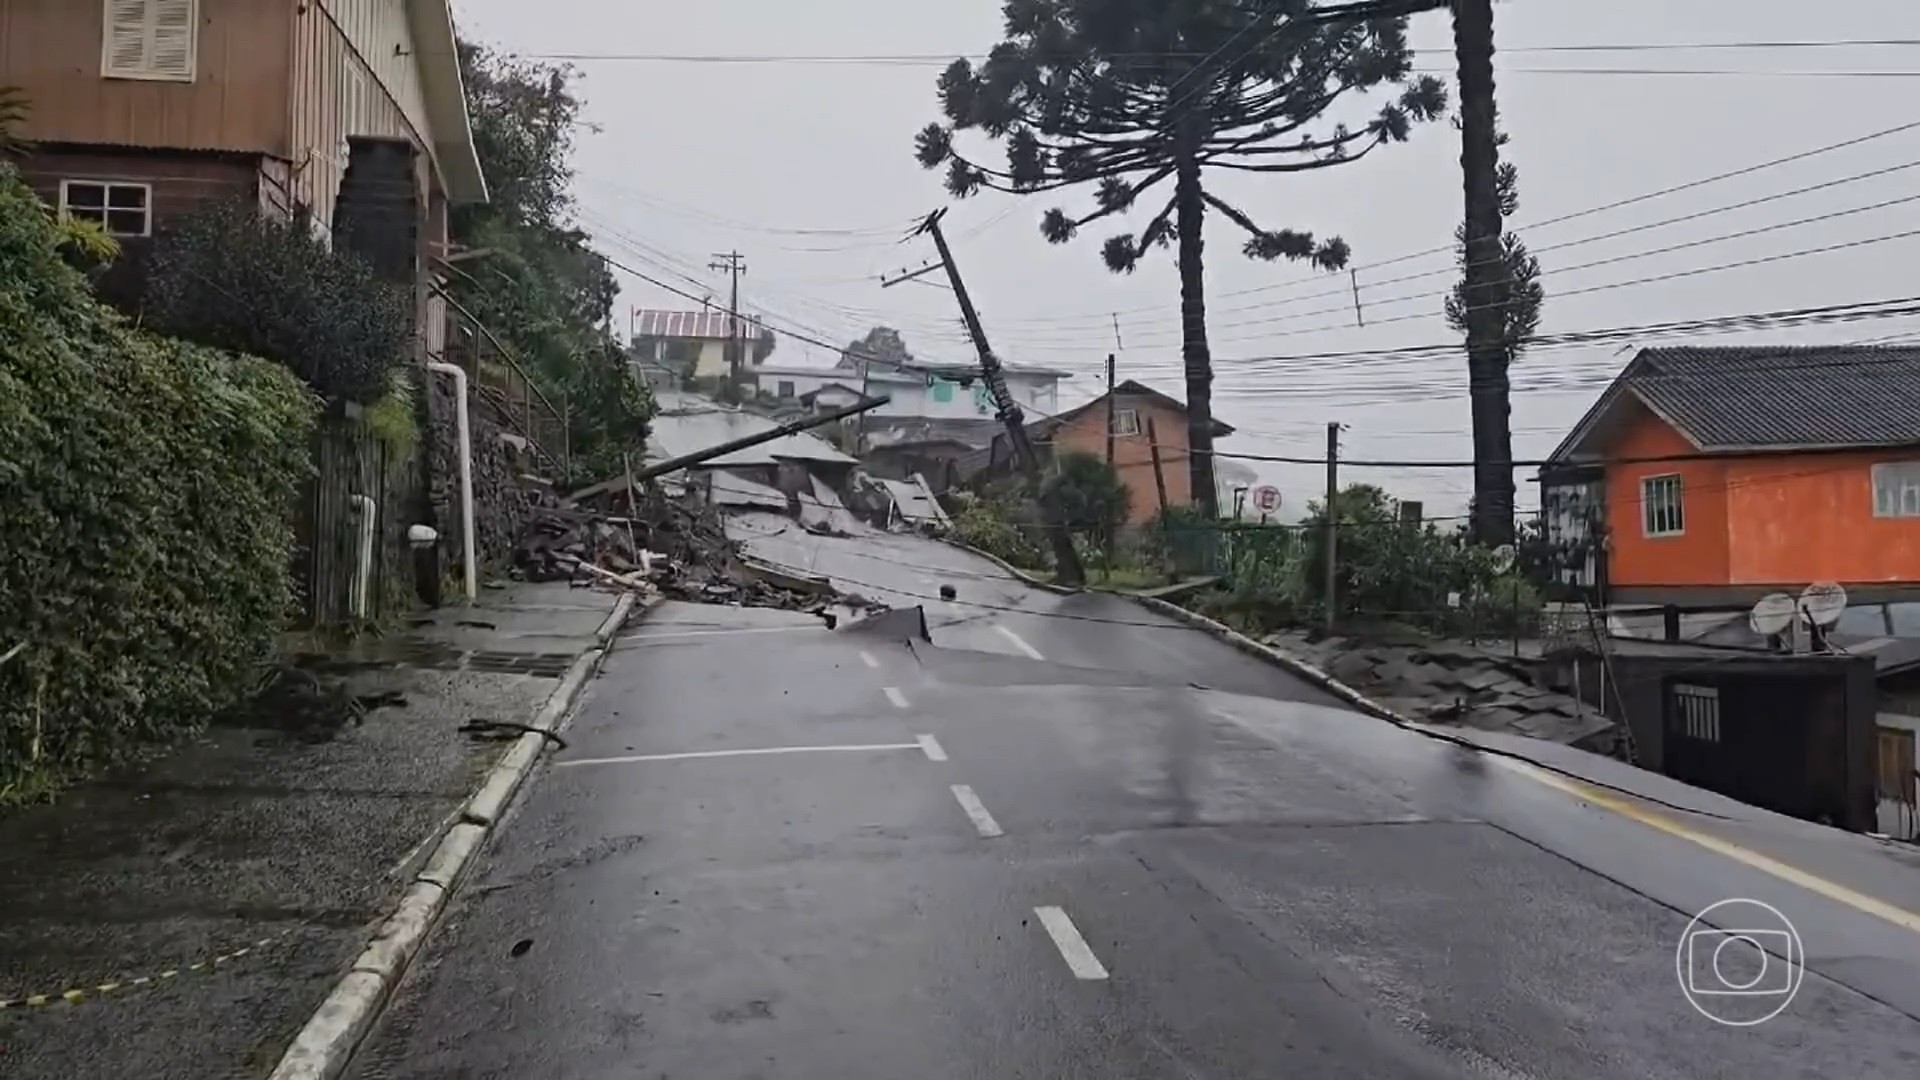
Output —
(1617, 204)
(1629, 257)
(941, 59)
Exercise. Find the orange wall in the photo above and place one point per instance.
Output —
(1132, 455)
(1805, 518)
(1699, 556)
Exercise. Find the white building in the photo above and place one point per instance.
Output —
(915, 391)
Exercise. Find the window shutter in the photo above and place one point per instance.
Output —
(126, 37)
(150, 39)
(172, 38)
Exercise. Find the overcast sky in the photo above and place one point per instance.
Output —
(807, 169)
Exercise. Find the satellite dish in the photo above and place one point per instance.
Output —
(1772, 614)
(1823, 603)
(1503, 558)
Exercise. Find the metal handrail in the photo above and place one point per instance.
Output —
(505, 353)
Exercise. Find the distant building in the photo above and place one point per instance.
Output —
(1137, 410)
(694, 343)
(1712, 476)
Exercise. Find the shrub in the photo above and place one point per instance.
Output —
(145, 491)
(989, 525)
(1091, 498)
(228, 278)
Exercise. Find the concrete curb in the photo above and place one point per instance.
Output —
(323, 1047)
(1024, 575)
(1277, 657)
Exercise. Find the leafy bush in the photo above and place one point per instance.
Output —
(226, 277)
(145, 496)
(989, 525)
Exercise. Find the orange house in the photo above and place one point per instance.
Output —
(1717, 475)
(1142, 418)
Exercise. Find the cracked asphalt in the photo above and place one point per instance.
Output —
(1068, 838)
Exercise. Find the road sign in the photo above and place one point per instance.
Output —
(1266, 498)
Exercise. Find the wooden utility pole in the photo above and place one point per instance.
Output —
(1066, 561)
(1332, 514)
(1159, 477)
(733, 264)
(1109, 410)
(1487, 289)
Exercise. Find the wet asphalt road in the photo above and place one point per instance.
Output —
(1067, 840)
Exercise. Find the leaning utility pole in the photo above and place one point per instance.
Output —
(1065, 559)
(1109, 410)
(1487, 291)
(733, 264)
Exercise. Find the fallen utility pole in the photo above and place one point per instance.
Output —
(1066, 561)
(688, 460)
(792, 427)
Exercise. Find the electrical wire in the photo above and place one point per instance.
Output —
(1534, 227)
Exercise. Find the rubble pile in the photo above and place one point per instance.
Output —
(664, 545)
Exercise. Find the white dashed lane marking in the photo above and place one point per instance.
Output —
(1073, 948)
(976, 811)
(868, 659)
(932, 748)
(894, 695)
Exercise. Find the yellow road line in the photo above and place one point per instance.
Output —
(1793, 875)
(78, 994)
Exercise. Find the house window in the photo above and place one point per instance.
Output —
(1126, 422)
(942, 391)
(785, 388)
(150, 39)
(1696, 712)
(1896, 489)
(121, 209)
(1660, 511)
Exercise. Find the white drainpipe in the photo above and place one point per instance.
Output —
(363, 564)
(459, 377)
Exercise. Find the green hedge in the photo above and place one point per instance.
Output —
(146, 487)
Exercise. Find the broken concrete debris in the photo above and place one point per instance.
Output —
(664, 545)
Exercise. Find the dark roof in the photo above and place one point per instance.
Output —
(1796, 397)
(1043, 428)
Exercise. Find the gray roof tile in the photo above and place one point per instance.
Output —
(1825, 396)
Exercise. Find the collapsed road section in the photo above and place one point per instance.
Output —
(658, 527)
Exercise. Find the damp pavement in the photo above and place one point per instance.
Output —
(217, 892)
(1067, 839)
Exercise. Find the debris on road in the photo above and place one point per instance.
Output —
(664, 545)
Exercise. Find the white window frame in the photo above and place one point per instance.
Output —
(1699, 709)
(1663, 494)
(1126, 423)
(785, 390)
(106, 194)
(148, 68)
(1896, 489)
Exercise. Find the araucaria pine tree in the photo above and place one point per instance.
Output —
(1127, 95)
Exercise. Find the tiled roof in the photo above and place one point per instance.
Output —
(692, 324)
(1813, 397)
(1043, 429)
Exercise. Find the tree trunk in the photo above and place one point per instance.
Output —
(1486, 287)
(1189, 220)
